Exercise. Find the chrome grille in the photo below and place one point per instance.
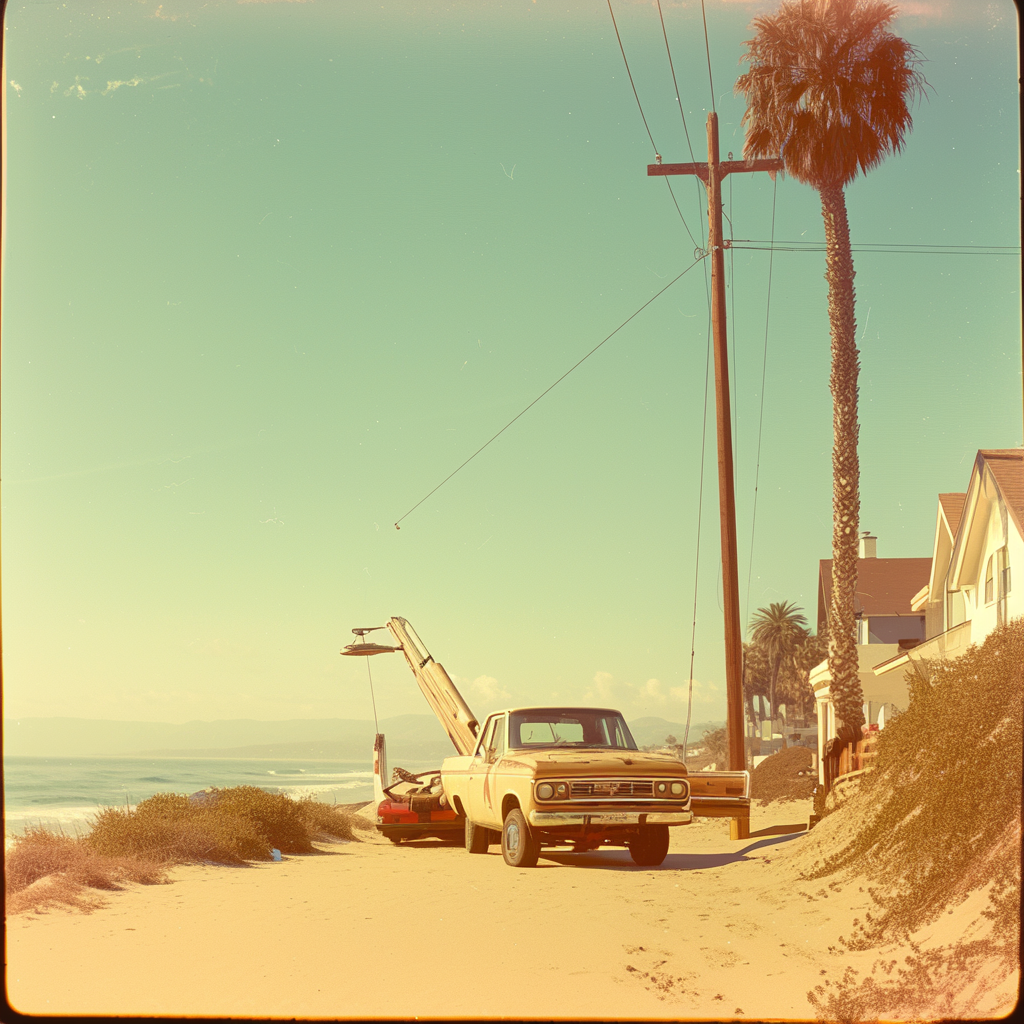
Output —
(610, 789)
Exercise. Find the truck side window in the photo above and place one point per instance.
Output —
(620, 739)
(485, 740)
(498, 741)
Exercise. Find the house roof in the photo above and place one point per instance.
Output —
(885, 586)
(952, 509)
(1007, 466)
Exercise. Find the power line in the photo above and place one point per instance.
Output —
(735, 365)
(898, 248)
(675, 84)
(707, 368)
(546, 390)
(696, 558)
(639, 105)
(896, 245)
(760, 422)
(707, 50)
(630, 73)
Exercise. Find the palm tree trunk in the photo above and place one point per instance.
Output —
(842, 649)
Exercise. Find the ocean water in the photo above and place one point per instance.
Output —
(67, 792)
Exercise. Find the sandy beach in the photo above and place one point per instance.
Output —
(721, 930)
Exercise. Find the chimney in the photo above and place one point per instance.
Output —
(867, 545)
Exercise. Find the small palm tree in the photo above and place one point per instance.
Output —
(828, 91)
(779, 630)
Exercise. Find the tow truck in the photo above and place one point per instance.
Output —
(537, 778)
(414, 806)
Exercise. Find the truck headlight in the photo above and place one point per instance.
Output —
(677, 789)
(562, 789)
(545, 791)
(662, 787)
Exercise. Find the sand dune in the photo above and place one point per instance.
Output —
(722, 929)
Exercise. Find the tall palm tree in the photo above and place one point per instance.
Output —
(779, 630)
(829, 90)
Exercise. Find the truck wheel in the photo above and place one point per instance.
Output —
(650, 847)
(519, 845)
(477, 838)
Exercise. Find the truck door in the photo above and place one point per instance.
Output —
(477, 772)
(493, 753)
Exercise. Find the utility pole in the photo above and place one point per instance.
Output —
(712, 174)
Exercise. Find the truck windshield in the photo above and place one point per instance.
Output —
(569, 727)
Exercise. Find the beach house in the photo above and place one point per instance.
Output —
(887, 626)
(979, 536)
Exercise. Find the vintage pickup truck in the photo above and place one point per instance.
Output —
(536, 778)
(565, 776)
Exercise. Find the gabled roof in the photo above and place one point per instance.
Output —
(947, 524)
(1007, 466)
(952, 506)
(885, 586)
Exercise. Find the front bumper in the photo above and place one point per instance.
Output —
(557, 819)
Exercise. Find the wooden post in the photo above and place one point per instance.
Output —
(711, 174)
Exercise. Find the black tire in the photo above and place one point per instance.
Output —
(650, 847)
(477, 838)
(519, 846)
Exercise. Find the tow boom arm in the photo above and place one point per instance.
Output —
(444, 699)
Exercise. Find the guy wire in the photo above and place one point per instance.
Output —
(549, 388)
(376, 728)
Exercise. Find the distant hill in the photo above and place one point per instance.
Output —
(655, 730)
(409, 737)
(349, 739)
(398, 751)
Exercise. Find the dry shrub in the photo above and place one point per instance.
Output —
(275, 815)
(47, 868)
(325, 822)
(961, 982)
(229, 826)
(945, 790)
(55, 891)
(785, 775)
(938, 819)
(192, 834)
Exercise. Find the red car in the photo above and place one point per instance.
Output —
(414, 807)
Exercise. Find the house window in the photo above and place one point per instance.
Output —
(989, 581)
(1004, 572)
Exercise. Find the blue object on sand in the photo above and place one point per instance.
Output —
(276, 854)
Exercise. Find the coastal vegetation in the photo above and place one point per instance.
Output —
(138, 844)
(935, 823)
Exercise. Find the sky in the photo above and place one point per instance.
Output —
(273, 270)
